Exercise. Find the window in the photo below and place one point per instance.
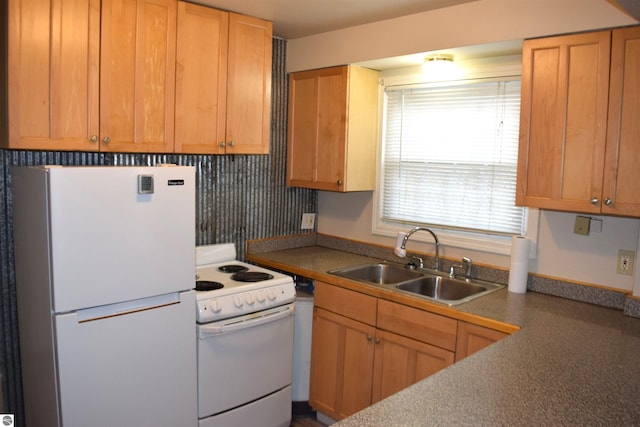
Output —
(449, 160)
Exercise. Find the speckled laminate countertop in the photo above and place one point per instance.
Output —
(571, 363)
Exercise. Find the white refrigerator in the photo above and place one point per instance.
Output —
(105, 270)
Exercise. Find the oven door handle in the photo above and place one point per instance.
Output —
(248, 321)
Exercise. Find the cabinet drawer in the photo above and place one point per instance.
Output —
(417, 324)
(345, 302)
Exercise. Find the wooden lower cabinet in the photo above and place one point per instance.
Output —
(354, 363)
(341, 364)
(473, 338)
(400, 361)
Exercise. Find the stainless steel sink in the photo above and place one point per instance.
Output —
(378, 273)
(442, 288)
(421, 283)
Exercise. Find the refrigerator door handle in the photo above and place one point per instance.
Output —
(128, 307)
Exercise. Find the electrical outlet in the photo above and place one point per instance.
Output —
(308, 221)
(626, 259)
(582, 225)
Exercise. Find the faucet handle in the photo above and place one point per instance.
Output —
(467, 264)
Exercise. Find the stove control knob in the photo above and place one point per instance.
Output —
(237, 301)
(249, 298)
(215, 306)
(261, 296)
(271, 294)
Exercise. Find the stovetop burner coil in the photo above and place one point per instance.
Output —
(232, 268)
(251, 276)
(207, 285)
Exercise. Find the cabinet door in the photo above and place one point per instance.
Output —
(400, 362)
(53, 74)
(317, 128)
(473, 338)
(303, 129)
(201, 79)
(249, 85)
(622, 175)
(565, 83)
(341, 364)
(137, 75)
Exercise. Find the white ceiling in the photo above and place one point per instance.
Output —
(294, 19)
(300, 18)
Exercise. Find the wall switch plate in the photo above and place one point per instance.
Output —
(582, 225)
(626, 260)
(308, 221)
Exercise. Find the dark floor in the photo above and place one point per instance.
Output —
(305, 421)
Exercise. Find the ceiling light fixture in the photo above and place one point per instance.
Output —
(439, 66)
(438, 57)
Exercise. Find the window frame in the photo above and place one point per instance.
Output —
(472, 70)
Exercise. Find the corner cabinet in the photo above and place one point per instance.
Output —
(578, 126)
(473, 338)
(223, 82)
(333, 128)
(90, 75)
(365, 349)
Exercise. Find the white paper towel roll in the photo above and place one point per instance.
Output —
(519, 267)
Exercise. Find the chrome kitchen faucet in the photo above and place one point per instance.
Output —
(402, 253)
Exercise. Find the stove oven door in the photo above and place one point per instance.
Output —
(245, 364)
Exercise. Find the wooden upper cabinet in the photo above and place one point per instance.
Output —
(578, 127)
(201, 79)
(621, 192)
(563, 121)
(53, 60)
(249, 85)
(333, 129)
(137, 81)
(90, 75)
(223, 82)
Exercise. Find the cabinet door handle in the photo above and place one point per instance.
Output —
(223, 144)
(608, 201)
(339, 182)
(377, 340)
(106, 140)
(94, 139)
(231, 143)
(594, 201)
(369, 337)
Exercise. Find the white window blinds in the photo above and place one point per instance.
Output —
(450, 157)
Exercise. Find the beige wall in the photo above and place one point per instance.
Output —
(561, 253)
(479, 22)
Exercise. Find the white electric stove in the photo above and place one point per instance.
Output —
(245, 319)
(228, 288)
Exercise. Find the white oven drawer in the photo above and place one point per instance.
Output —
(243, 359)
(270, 411)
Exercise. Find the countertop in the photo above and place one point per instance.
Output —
(566, 362)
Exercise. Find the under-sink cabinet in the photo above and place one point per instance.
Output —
(333, 128)
(578, 127)
(223, 82)
(411, 344)
(365, 349)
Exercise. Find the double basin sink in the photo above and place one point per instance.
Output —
(429, 284)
